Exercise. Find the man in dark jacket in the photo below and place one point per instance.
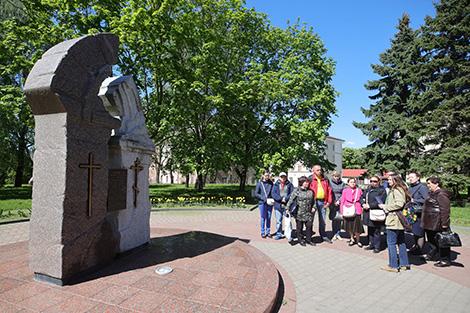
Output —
(281, 193)
(419, 193)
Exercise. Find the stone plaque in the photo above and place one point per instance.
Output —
(117, 192)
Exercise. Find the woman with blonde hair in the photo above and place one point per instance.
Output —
(397, 197)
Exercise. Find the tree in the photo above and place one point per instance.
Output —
(391, 129)
(27, 30)
(284, 102)
(443, 100)
(354, 158)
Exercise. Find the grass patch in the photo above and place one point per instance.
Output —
(460, 216)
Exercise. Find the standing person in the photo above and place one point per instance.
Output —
(264, 194)
(370, 200)
(396, 199)
(281, 193)
(436, 218)
(419, 194)
(302, 197)
(352, 225)
(337, 187)
(323, 195)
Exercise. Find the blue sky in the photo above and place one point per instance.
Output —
(355, 33)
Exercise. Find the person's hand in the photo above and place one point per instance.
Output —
(365, 206)
(337, 202)
(326, 205)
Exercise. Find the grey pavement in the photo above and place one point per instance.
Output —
(327, 278)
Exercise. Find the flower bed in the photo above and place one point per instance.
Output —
(185, 201)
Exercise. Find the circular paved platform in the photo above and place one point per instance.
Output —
(211, 273)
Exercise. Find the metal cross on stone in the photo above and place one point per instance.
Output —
(137, 167)
(90, 166)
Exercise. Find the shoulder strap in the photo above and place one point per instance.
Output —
(264, 189)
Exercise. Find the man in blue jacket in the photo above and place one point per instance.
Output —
(281, 192)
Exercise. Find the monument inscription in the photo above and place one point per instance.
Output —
(117, 191)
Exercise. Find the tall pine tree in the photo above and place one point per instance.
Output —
(394, 143)
(444, 101)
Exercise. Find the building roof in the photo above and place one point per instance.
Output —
(334, 138)
(348, 172)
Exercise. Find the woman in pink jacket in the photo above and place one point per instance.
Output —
(352, 224)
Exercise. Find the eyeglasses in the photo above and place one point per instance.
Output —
(374, 181)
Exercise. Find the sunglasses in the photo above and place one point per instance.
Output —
(374, 181)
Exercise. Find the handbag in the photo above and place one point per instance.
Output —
(448, 239)
(269, 201)
(404, 221)
(287, 227)
(377, 215)
(350, 210)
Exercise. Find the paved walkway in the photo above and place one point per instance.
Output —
(331, 278)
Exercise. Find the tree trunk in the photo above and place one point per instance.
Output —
(199, 182)
(20, 157)
(187, 180)
(242, 176)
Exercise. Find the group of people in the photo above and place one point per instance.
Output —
(379, 207)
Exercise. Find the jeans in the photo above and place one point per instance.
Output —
(321, 217)
(396, 237)
(335, 224)
(265, 211)
(374, 237)
(308, 230)
(279, 214)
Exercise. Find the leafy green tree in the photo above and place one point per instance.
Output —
(285, 102)
(354, 158)
(393, 133)
(443, 99)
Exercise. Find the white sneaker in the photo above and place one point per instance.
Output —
(337, 237)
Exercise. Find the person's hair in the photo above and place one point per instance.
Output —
(336, 173)
(302, 180)
(435, 180)
(416, 173)
(375, 176)
(398, 183)
(352, 178)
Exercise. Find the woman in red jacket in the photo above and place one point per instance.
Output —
(353, 225)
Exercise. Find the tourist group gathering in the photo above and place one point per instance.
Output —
(388, 207)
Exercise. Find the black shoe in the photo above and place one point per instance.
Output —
(429, 257)
(368, 248)
(302, 243)
(351, 243)
(376, 251)
(415, 250)
(311, 243)
(269, 236)
(263, 236)
(442, 264)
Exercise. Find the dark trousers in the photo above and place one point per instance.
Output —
(444, 253)
(374, 236)
(308, 230)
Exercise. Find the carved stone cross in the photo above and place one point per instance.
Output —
(137, 167)
(90, 166)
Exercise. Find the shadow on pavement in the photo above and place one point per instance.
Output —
(162, 250)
